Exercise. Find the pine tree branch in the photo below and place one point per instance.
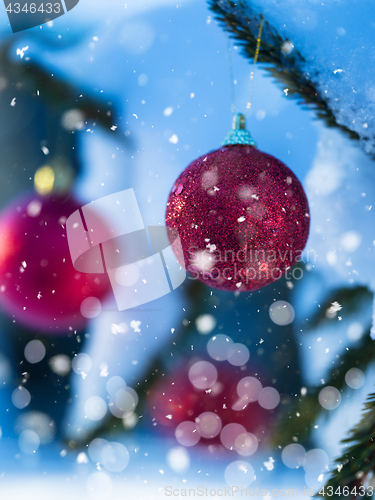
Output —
(350, 299)
(298, 419)
(284, 64)
(57, 91)
(357, 462)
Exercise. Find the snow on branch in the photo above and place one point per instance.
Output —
(310, 63)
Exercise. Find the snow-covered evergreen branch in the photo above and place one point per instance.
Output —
(283, 61)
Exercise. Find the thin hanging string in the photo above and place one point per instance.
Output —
(230, 60)
(248, 105)
(231, 76)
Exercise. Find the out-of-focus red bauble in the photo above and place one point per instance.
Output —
(39, 287)
(173, 400)
(242, 217)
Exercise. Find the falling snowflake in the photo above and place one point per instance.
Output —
(21, 52)
(269, 464)
(333, 310)
(135, 325)
(120, 328)
(82, 458)
(203, 261)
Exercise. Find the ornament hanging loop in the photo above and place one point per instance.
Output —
(256, 55)
(239, 134)
(230, 61)
(239, 122)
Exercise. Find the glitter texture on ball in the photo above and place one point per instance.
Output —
(242, 217)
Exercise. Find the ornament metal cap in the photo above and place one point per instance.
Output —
(239, 134)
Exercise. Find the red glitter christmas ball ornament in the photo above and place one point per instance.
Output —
(39, 287)
(174, 403)
(241, 214)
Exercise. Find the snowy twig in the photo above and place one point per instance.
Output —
(357, 462)
(298, 418)
(351, 300)
(59, 93)
(283, 60)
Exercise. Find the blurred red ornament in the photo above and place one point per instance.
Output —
(174, 402)
(39, 288)
(241, 214)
